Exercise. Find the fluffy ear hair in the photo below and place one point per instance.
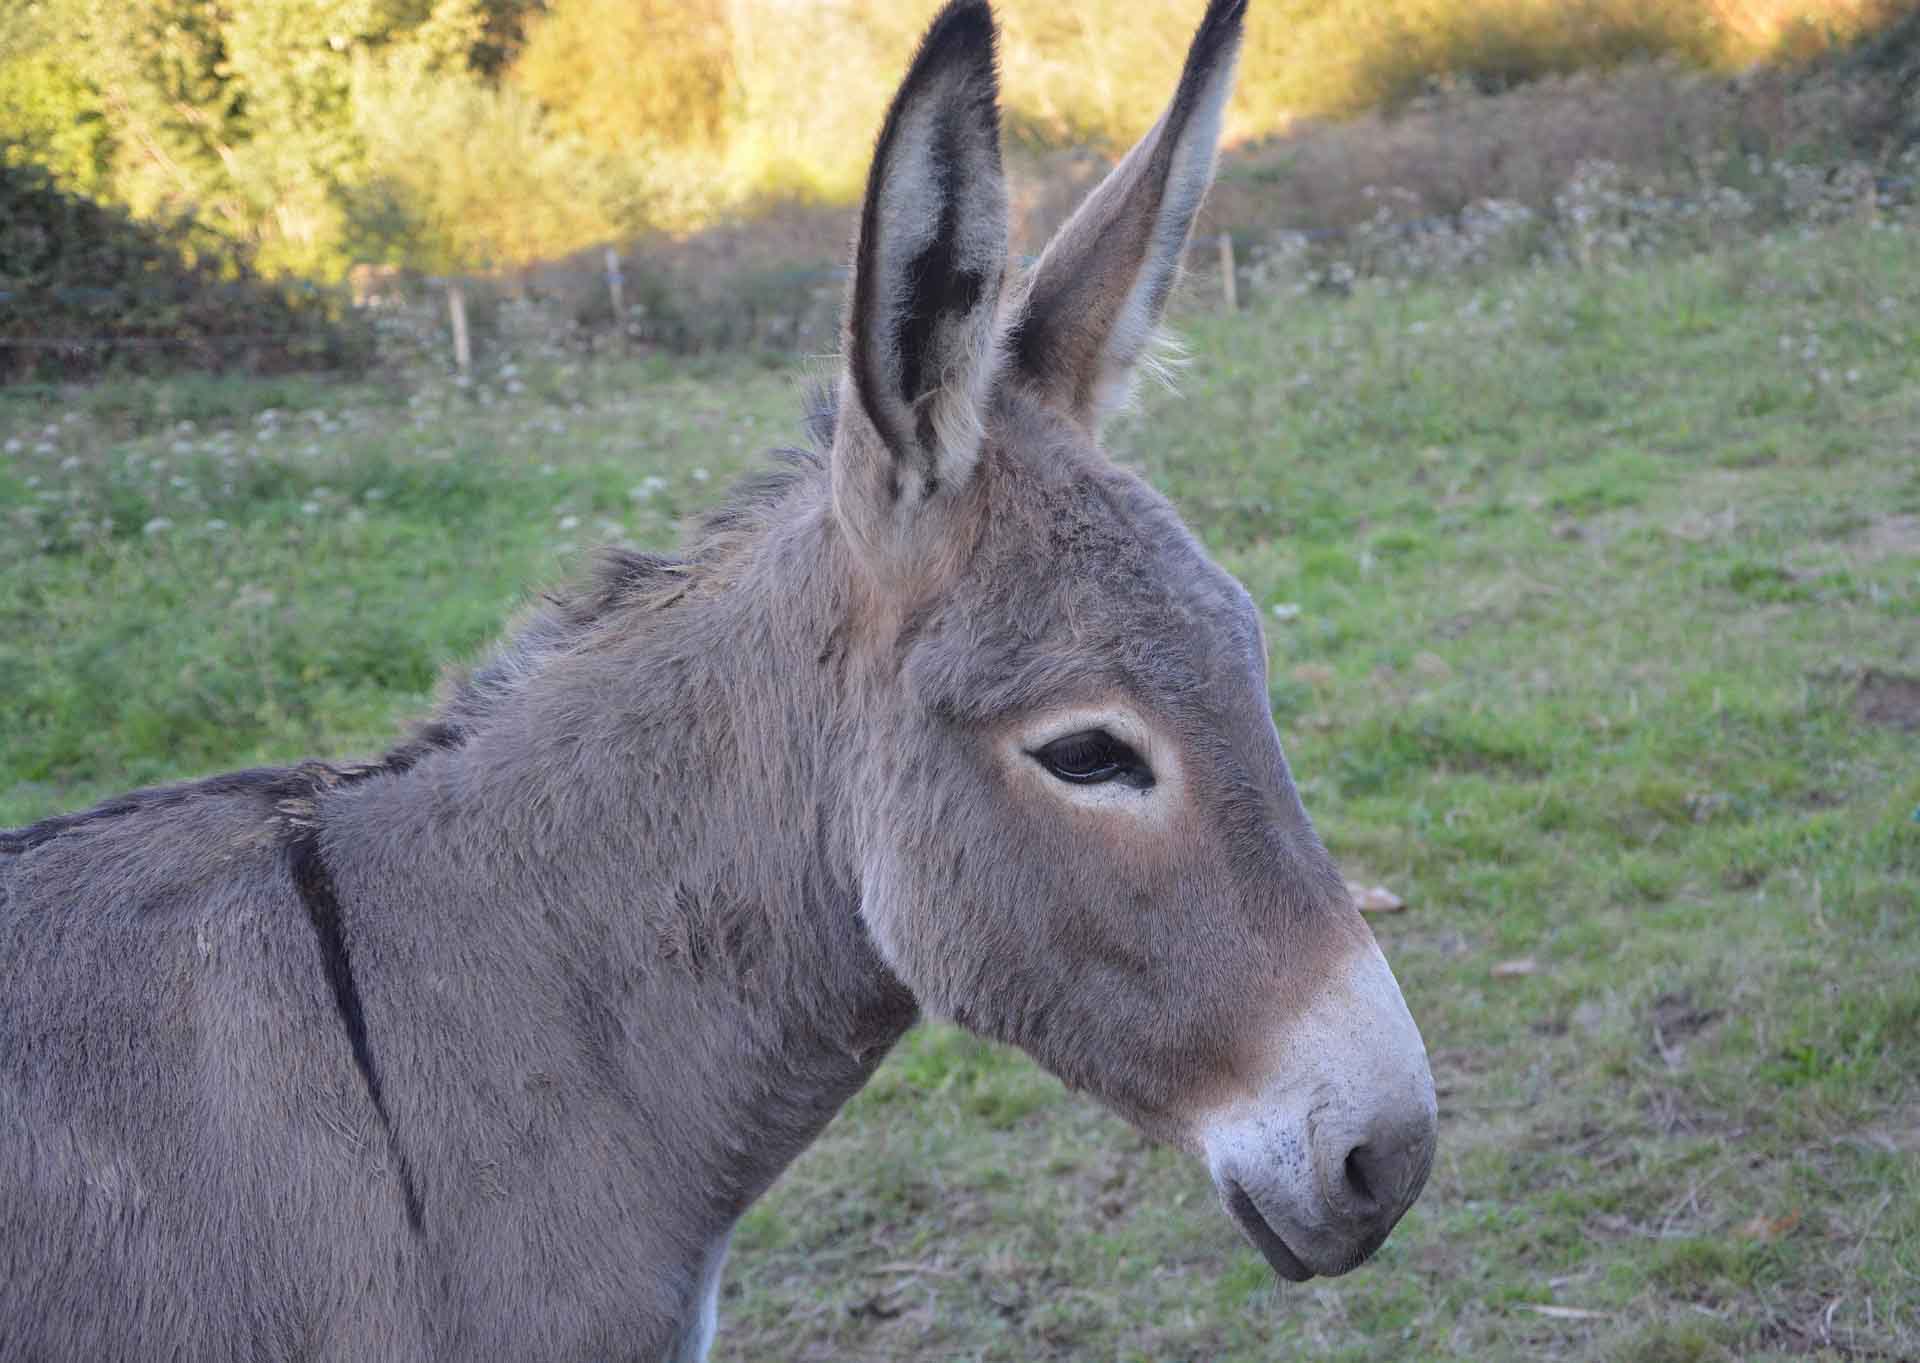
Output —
(1100, 288)
(923, 337)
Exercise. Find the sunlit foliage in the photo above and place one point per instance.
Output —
(472, 134)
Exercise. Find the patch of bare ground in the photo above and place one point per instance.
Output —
(1896, 1134)
(1888, 537)
(1888, 699)
(1459, 1072)
(1673, 1110)
(1676, 1019)
(1814, 1326)
(1700, 527)
(1863, 543)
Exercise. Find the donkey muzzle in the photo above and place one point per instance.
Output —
(1323, 1162)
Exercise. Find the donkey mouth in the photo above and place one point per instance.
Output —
(1265, 1238)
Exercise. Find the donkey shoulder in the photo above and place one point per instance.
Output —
(173, 877)
(160, 996)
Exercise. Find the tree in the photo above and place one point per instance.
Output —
(54, 119)
(623, 73)
(440, 149)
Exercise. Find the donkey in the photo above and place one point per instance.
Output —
(478, 1051)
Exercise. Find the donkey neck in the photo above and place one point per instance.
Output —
(645, 845)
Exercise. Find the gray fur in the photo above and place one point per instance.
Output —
(479, 1050)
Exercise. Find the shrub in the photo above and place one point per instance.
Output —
(87, 289)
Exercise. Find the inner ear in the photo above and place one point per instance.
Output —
(942, 286)
(1096, 297)
(923, 333)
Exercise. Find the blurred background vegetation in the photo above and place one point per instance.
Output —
(480, 134)
(191, 182)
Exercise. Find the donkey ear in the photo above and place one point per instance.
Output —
(923, 337)
(1099, 289)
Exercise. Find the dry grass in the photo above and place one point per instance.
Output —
(1583, 167)
(1456, 147)
(729, 104)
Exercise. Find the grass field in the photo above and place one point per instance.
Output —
(1596, 623)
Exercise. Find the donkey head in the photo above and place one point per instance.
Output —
(1073, 826)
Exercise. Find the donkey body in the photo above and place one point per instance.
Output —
(479, 1051)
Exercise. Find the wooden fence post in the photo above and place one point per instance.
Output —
(457, 312)
(1229, 282)
(615, 290)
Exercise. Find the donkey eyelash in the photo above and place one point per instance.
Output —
(1093, 757)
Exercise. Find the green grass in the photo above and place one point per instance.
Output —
(1587, 569)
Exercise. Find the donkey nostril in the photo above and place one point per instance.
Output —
(1360, 1182)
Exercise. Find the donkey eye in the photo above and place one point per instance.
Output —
(1092, 756)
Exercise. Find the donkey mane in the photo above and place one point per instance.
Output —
(621, 584)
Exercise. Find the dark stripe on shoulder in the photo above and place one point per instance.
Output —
(314, 883)
(288, 792)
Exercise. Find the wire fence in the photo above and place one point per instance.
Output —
(62, 332)
(784, 305)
